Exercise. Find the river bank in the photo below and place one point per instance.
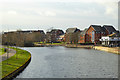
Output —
(48, 45)
(115, 50)
(15, 64)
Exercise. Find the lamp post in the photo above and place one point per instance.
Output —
(16, 43)
(7, 53)
(8, 41)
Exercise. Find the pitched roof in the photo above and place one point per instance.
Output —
(97, 28)
(109, 28)
(84, 31)
(103, 29)
(71, 30)
(56, 30)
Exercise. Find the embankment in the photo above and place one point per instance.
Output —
(47, 45)
(115, 50)
(78, 46)
(14, 65)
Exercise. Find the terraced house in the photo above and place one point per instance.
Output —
(71, 35)
(82, 37)
(94, 33)
(53, 35)
(109, 29)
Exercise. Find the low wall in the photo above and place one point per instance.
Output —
(78, 46)
(17, 71)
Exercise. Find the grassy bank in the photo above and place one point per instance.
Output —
(16, 61)
(2, 51)
(48, 44)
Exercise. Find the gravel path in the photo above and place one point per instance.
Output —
(11, 52)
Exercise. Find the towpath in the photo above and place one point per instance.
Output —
(10, 53)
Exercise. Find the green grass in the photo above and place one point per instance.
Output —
(39, 42)
(13, 62)
(49, 43)
(2, 51)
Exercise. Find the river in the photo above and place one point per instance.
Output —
(62, 62)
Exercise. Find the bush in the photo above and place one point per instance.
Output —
(28, 44)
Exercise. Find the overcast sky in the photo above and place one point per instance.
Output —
(60, 14)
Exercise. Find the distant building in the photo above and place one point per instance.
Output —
(53, 35)
(82, 36)
(94, 33)
(20, 38)
(61, 38)
(33, 35)
(111, 40)
(71, 35)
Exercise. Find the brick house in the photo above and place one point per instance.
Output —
(82, 36)
(53, 35)
(94, 33)
(71, 35)
(109, 29)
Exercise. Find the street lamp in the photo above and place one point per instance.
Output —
(8, 41)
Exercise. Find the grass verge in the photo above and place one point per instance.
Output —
(13, 63)
(2, 51)
(60, 43)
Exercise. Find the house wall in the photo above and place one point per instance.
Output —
(72, 37)
(97, 36)
(89, 35)
(82, 39)
(53, 35)
(107, 33)
(68, 38)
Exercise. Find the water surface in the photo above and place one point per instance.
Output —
(62, 62)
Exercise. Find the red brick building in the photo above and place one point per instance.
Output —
(82, 36)
(94, 33)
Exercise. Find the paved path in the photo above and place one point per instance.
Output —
(10, 54)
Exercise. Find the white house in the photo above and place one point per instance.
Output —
(111, 40)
